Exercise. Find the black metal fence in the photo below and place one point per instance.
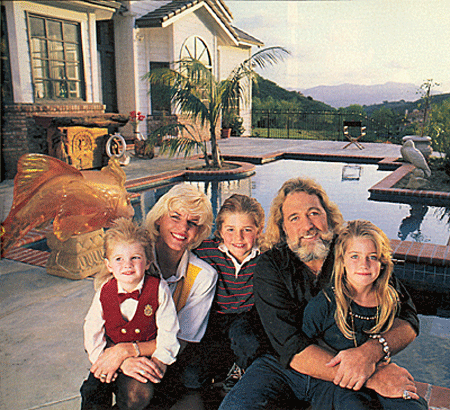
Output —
(326, 125)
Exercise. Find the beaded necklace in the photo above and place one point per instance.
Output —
(355, 315)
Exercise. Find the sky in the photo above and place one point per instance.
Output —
(364, 42)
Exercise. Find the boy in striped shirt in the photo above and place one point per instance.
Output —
(234, 333)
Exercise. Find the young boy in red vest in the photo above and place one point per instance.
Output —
(132, 310)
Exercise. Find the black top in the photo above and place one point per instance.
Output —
(283, 285)
(319, 322)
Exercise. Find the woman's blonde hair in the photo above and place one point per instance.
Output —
(185, 198)
(387, 297)
(241, 204)
(122, 231)
(275, 233)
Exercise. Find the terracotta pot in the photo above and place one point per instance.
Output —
(139, 150)
(226, 132)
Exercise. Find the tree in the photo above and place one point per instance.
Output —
(439, 128)
(425, 90)
(195, 92)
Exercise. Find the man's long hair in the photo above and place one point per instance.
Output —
(274, 234)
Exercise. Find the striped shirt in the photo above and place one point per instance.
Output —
(234, 293)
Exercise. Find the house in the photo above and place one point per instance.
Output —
(153, 34)
(50, 66)
(87, 58)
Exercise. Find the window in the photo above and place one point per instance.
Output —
(56, 58)
(194, 47)
(159, 95)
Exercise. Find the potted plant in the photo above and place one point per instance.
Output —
(232, 124)
(142, 148)
(423, 142)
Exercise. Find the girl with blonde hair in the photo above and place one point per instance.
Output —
(360, 304)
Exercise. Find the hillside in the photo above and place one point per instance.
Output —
(399, 107)
(266, 90)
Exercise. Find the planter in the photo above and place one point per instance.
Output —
(226, 133)
(423, 144)
(139, 150)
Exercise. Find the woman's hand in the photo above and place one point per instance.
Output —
(105, 368)
(144, 369)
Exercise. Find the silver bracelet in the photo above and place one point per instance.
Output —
(384, 346)
(136, 348)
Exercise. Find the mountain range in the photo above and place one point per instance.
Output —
(347, 94)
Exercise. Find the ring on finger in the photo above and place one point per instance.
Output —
(406, 395)
(142, 372)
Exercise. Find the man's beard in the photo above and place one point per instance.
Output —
(318, 250)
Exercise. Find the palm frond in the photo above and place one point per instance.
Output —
(177, 146)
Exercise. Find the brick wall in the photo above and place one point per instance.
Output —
(21, 135)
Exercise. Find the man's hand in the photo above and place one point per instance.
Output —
(390, 380)
(144, 369)
(355, 368)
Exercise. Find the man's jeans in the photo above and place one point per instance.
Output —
(266, 381)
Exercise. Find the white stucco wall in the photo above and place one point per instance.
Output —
(20, 51)
(229, 58)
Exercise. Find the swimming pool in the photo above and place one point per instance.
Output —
(346, 184)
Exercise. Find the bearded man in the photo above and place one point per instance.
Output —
(298, 263)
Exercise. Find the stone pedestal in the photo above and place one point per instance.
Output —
(80, 140)
(78, 257)
(81, 147)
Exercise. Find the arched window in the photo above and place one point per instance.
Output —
(194, 47)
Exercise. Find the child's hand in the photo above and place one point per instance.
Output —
(144, 369)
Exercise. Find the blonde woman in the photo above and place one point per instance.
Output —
(179, 221)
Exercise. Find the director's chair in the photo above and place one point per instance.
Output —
(354, 140)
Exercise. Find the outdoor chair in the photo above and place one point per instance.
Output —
(352, 139)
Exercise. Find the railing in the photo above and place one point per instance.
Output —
(325, 125)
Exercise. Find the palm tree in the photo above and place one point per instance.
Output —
(195, 92)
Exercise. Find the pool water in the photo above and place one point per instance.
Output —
(346, 185)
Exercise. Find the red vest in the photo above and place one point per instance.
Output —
(142, 327)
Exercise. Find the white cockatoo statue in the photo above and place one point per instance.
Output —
(411, 154)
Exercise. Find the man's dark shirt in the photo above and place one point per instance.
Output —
(283, 285)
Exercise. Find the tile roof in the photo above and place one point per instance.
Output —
(163, 14)
(105, 3)
(243, 36)
(157, 17)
